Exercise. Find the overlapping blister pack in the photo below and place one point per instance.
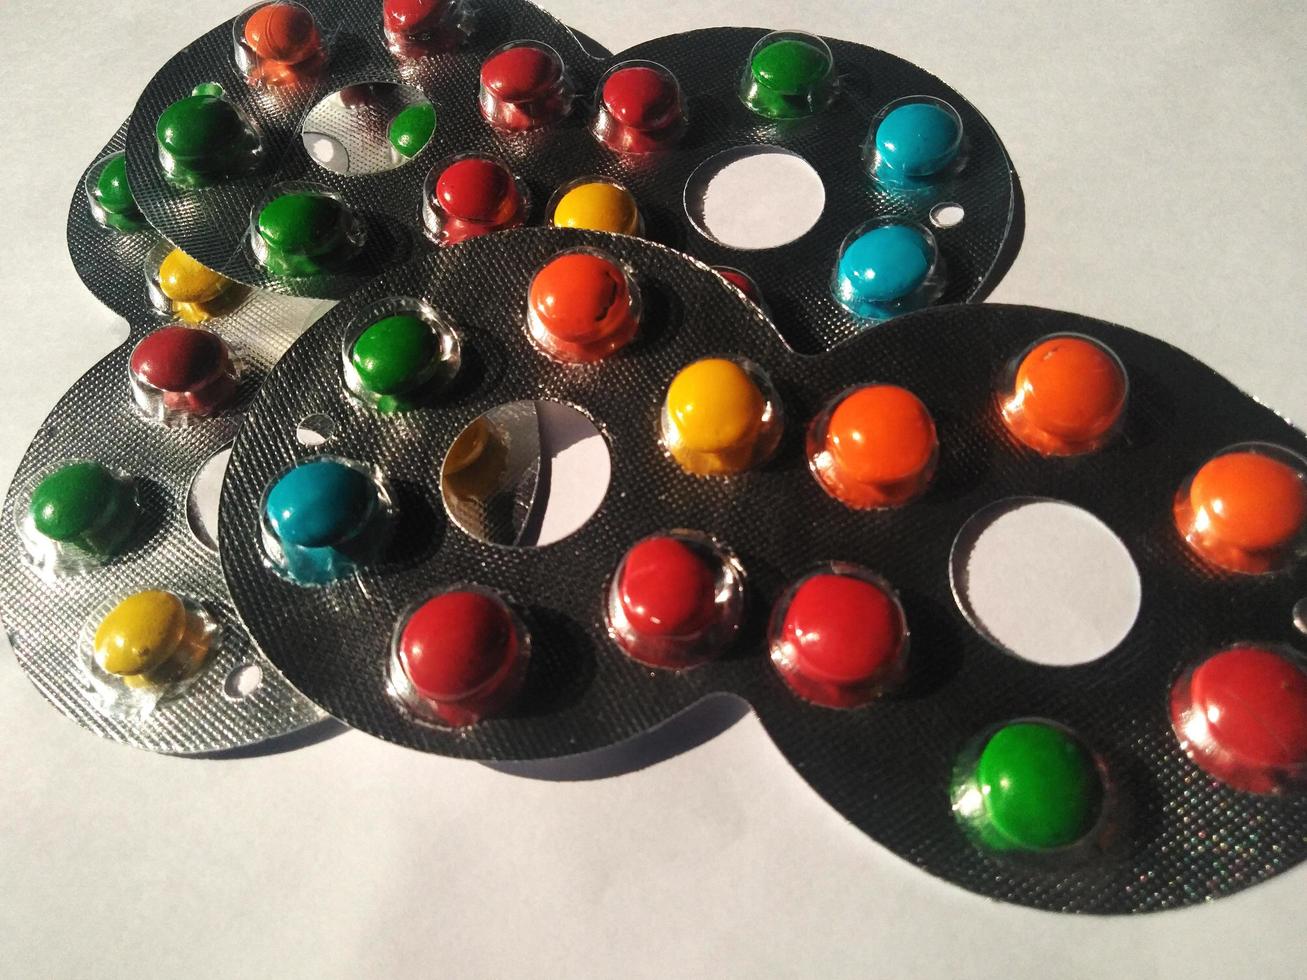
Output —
(799, 440)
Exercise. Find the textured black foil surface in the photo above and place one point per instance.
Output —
(96, 419)
(211, 223)
(886, 766)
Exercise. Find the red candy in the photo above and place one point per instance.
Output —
(667, 589)
(675, 601)
(413, 16)
(190, 367)
(640, 109)
(460, 650)
(523, 87)
(740, 281)
(580, 307)
(476, 195)
(1241, 715)
(840, 639)
(417, 28)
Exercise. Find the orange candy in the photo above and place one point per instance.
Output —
(1068, 395)
(1244, 511)
(580, 307)
(876, 448)
(283, 32)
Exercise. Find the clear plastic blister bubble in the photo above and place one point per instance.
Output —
(278, 43)
(524, 86)
(300, 229)
(204, 139)
(469, 195)
(400, 353)
(134, 511)
(887, 266)
(675, 600)
(594, 203)
(884, 753)
(639, 108)
(789, 75)
(75, 515)
(583, 305)
(721, 417)
(110, 197)
(144, 649)
(417, 29)
(915, 143)
(1245, 509)
(458, 656)
(325, 517)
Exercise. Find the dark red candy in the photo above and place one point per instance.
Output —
(642, 97)
(193, 368)
(521, 74)
(413, 16)
(740, 281)
(667, 588)
(458, 645)
(477, 189)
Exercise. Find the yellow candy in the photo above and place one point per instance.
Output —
(598, 206)
(714, 413)
(192, 287)
(141, 633)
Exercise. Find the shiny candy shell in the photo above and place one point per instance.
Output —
(918, 139)
(320, 503)
(184, 280)
(521, 73)
(180, 358)
(303, 223)
(477, 189)
(75, 499)
(457, 644)
(394, 354)
(111, 188)
(884, 264)
(715, 405)
(667, 588)
(201, 130)
(790, 66)
(598, 206)
(642, 97)
(140, 633)
(282, 32)
(580, 297)
(843, 630)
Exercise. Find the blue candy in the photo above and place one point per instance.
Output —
(918, 139)
(320, 503)
(884, 265)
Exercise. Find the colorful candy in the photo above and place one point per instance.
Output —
(596, 204)
(582, 306)
(676, 600)
(469, 196)
(179, 373)
(192, 292)
(400, 355)
(839, 637)
(1241, 716)
(873, 446)
(524, 86)
(78, 515)
(412, 128)
(1245, 510)
(203, 139)
(919, 138)
(303, 231)
(639, 109)
(110, 196)
(1066, 396)
(884, 268)
(789, 74)
(721, 417)
(464, 655)
(420, 28)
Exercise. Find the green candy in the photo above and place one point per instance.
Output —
(203, 132)
(1041, 789)
(84, 504)
(303, 231)
(790, 67)
(114, 196)
(395, 355)
(787, 79)
(411, 130)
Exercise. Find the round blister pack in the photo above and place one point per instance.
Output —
(110, 587)
(854, 184)
(808, 533)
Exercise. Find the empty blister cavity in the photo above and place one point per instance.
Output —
(77, 515)
(368, 128)
(325, 518)
(676, 600)
(278, 44)
(399, 354)
(583, 305)
(839, 637)
(524, 85)
(204, 139)
(1245, 509)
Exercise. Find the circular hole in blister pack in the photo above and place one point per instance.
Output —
(368, 128)
(755, 197)
(120, 617)
(861, 495)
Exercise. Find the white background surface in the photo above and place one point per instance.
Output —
(1160, 146)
